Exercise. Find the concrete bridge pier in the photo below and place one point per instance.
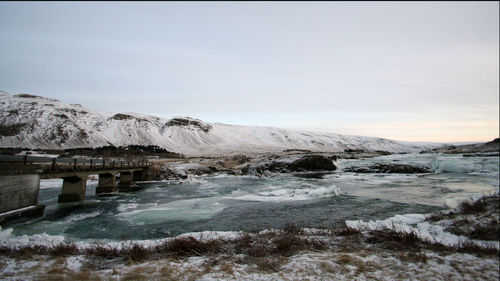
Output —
(126, 182)
(73, 189)
(19, 187)
(107, 183)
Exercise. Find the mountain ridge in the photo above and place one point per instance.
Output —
(43, 123)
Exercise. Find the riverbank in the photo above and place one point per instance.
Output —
(453, 244)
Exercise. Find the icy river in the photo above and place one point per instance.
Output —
(232, 203)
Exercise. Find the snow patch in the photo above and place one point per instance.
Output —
(415, 223)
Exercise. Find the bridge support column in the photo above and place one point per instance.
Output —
(73, 189)
(148, 173)
(19, 187)
(107, 183)
(126, 182)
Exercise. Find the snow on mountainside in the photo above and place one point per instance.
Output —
(36, 122)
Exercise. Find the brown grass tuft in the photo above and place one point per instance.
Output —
(63, 249)
(413, 257)
(270, 263)
(228, 268)
(472, 248)
(390, 239)
(189, 246)
(288, 244)
(103, 251)
(137, 253)
(292, 228)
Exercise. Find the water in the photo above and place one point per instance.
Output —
(232, 203)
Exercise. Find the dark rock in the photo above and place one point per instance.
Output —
(304, 164)
(312, 163)
(333, 157)
(61, 115)
(491, 146)
(11, 130)
(275, 167)
(202, 170)
(213, 169)
(182, 122)
(169, 174)
(33, 97)
(389, 168)
(353, 150)
(298, 150)
(240, 159)
(495, 141)
(311, 175)
(121, 116)
(383, 152)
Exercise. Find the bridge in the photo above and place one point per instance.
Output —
(20, 180)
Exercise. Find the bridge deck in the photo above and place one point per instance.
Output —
(67, 167)
(51, 174)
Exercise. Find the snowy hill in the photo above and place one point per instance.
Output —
(36, 122)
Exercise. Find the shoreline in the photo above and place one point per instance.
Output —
(267, 253)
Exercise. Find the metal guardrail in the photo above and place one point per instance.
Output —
(61, 164)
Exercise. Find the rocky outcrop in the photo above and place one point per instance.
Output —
(488, 147)
(177, 171)
(304, 164)
(312, 163)
(184, 122)
(389, 169)
(122, 116)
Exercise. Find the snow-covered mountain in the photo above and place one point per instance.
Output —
(37, 122)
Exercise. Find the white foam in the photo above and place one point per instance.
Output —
(190, 210)
(80, 217)
(7, 239)
(280, 195)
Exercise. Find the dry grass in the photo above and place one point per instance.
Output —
(139, 273)
(269, 263)
(489, 230)
(472, 248)
(480, 206)
(292, 228)
(82, 275)
(132, 276)
(189, 246)
(346, 231)
(228, 268)
(413, 257)
(63, 249)
(392, 240)
(410, 243)
(262, 252)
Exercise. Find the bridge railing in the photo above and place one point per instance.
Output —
(62, 164)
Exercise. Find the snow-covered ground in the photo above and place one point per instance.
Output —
(362, 265)
(37, 122)
(357, 263)
(346, 255)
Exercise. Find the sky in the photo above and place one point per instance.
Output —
(414, 71)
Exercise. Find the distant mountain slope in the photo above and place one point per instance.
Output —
(37, 122)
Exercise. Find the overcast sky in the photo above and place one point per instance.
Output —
(407, 71)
